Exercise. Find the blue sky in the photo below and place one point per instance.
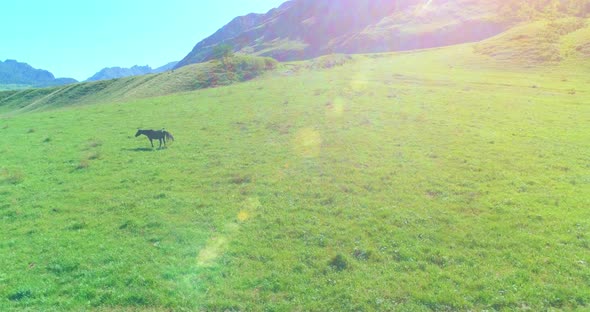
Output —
(73, 38)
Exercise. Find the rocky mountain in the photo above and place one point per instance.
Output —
(119, 72)
(301, 29)
(167, 67)
(13, 72)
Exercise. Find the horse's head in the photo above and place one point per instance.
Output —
(138, 133)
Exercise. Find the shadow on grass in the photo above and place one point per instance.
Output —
(140, 149)
(144, 149)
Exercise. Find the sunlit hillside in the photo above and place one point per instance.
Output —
(446, 179)
(369, 26)
(189, 78)
(539, 42)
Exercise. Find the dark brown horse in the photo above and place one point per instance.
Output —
(161, 135)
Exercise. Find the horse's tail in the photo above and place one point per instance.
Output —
(168, 135)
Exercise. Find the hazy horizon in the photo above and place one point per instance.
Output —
(76, 40)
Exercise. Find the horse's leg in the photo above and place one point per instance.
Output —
(160, 143)
(152, 143)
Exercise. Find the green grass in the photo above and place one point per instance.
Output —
(7, 87)
(432, 180)
(188, 78)
(537, 42)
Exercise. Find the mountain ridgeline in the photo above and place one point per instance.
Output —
(524, 33)
(189, 78)
(303, 29)
(14, 73)
(120, 72)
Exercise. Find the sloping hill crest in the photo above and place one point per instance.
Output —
(302, 29)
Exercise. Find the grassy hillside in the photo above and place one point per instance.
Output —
(539, 42)
(7, 87)
(197, 76)
(434, 180)
(303, 29)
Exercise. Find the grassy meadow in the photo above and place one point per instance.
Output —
(433, 180)
(188, 78)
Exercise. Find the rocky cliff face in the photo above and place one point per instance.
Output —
(301, 29)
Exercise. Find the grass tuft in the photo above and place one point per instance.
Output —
(240, 179)
(21, 295)
(77, 225)
(11, 176)
(83, 164)
(338, 263)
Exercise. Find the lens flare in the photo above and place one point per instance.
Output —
(249, 207)
(243, 216)
(215, 246)
(307, 143)
(359, 83)
(335, 108)
(422, 9)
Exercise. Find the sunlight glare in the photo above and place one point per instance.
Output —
(212, 250)
(424, 7)
(335, 108)
(249, 206)
(359, 83)
(308, 143)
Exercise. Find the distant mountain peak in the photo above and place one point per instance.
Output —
(13, 72)
(135, 70)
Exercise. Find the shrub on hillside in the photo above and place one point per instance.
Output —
(223, 51)
(329, 61)
(235, 69)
